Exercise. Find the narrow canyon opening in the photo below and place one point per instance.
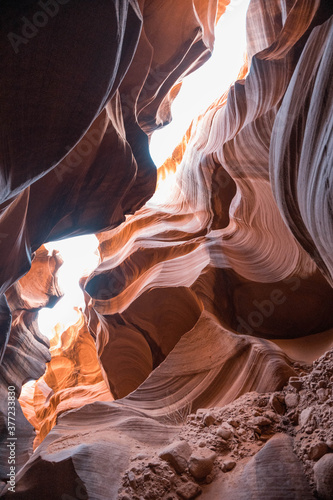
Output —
(166, 272)
(199, 90)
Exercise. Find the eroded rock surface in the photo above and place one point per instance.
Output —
(202, 317)
(26, 352)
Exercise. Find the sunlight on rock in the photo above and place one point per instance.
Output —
(80, 256)
(197, 359)
(203, 86)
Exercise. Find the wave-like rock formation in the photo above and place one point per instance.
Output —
(301, 150)
(220, 233)
(72, 378)
(82, 138)
(27, 350)
(197, 316)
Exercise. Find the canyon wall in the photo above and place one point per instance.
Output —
(211, 301)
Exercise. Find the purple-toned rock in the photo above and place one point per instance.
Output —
(323, 475)
(201, 463)
(177, 455)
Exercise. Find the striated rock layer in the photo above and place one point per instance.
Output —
(220, 234)
(82, 139)
(198, 318)
(72, 378)
(27, 350)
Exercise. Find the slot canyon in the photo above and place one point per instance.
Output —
(201, 364)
